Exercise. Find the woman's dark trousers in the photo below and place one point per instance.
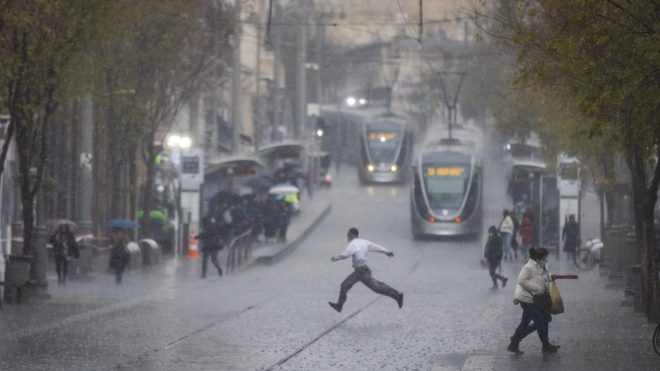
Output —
(531, 313)
(62, 269)
(213, 254)
(119, 273)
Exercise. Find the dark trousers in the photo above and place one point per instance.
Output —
(282, 227)
(62, 269)
(363, 274)
(492, 268)
(531, 313)
(213, 254)
(119, 273)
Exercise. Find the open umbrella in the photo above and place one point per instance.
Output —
(53, 225)
(259, 183)
(283, 189)
(122, 224)
(291, 198)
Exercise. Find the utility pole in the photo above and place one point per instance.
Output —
(236, 114)
(85, 176)
(320, 41)
(451, 98)
(277, 65)
(257, 123)
(301, 80)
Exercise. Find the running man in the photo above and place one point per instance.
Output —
(357, 249)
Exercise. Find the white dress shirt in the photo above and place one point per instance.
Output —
(358, 249)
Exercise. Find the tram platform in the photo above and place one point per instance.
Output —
(314, 210)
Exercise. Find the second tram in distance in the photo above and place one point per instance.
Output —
(446, 191)
(378, 143)
(384, 150)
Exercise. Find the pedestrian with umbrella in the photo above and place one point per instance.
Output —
(286, 196)
(120, 257)
(65, 248)
(212, 237)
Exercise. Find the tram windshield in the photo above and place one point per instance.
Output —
(383, 145)
(445, 185)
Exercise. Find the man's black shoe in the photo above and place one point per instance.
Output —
(504, 280)
(549, 348)
(335, 306)
(399, 300)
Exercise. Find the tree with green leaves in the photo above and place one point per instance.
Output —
(603, 59)
(41, 43)
(160, 56)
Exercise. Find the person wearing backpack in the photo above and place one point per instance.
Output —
(493, 254)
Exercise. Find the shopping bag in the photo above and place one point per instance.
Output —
(557, 306)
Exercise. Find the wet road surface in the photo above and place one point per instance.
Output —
(276, 317)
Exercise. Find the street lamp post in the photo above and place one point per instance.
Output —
(450, 94)
(188, 162)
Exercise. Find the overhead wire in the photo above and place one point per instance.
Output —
(404, 17)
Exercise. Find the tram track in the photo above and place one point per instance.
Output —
(330, 329)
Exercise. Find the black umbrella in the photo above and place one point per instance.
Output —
(259, 182)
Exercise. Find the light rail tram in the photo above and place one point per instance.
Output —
(378, 143)
(447, 187)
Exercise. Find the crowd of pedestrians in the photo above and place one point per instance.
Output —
(267, 216)
(515, 236)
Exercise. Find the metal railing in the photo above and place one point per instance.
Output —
(240, 250)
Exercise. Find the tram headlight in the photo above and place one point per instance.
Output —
(371, 168)
(394, 168)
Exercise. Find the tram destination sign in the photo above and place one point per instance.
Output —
(444, 171)
(381, 135)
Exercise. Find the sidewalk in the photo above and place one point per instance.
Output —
(312, 213)
(595, 333)
(98, 292)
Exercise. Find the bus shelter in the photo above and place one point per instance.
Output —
(228, 176)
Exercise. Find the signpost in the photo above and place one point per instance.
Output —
(191, 172)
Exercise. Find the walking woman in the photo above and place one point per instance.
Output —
(64, 248)
(506, 233)
(213, 236)
(526, 235)
(570, 235)
(120, 257)
(532, 281)
(493, 253)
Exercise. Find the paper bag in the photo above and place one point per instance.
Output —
(557, 302)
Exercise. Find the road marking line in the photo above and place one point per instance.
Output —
(317, 338)
(336, 325)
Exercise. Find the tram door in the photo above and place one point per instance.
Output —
(549, 213)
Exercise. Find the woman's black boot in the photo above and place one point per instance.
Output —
(513, 346)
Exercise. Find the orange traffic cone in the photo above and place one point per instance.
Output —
(193, 252)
